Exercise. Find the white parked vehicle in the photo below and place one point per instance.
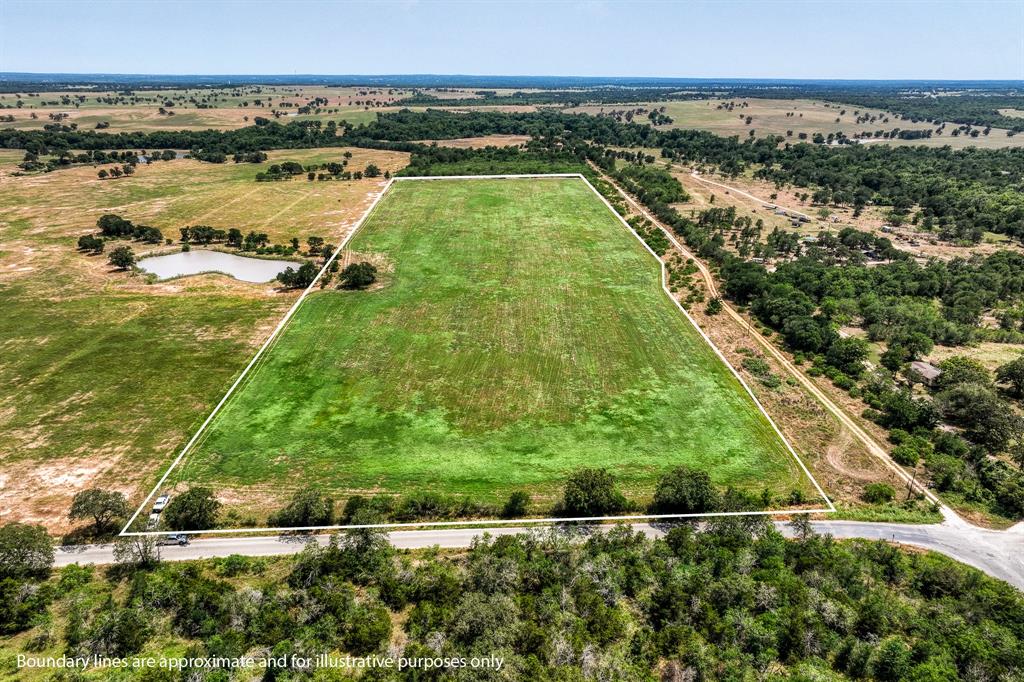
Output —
(160, 503)
(174, 539)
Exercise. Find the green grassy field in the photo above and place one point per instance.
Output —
(520, 332)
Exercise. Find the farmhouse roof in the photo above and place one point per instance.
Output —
(925, 369)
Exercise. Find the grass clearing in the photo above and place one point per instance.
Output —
(102, 375)
(777, 116)
(196, 108)
(521, 332)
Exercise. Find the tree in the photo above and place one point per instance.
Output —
(195, 509)
(714, 306)
(298, 279)
(122, 257)
(1012, 374)
(372, 171)
(894, 357)
(900, 410)
(358, 275)
(890, 661)
(912, 450)
(801, 527)
(315, 245)
(112, 225)
(806, 333)
(960, 369)
(25, 551)
(877, 493)
(117, 632)
(234, 238)
(848, 355)
(516, 505)
(985, 418)
(88, 242)
(744, 281)
(685, 491)
(591, 492)
(102, 506)
(308, 507)
(368, 628)
(138, 551)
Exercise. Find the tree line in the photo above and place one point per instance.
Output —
(734, 600)
(959, 194)
(911, 308)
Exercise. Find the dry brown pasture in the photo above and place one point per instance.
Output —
(872, 219)
(223, 108)
(481, 142)
(105, 375)
(42, 216)
(771, 117)
(220, 108)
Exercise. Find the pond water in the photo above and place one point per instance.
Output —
(198, 261)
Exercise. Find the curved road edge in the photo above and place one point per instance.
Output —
(1000, 554)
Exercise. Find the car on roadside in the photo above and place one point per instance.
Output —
(154, 521)
(180, 539)
(160, 503)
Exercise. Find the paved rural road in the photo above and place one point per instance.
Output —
(998, 553)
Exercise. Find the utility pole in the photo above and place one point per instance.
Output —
(913, 479)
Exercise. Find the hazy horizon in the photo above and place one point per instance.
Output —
(567, 76)
(872, 40)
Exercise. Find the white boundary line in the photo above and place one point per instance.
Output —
(256, 357)
(291, 311)
(486, 522)
(721, 356)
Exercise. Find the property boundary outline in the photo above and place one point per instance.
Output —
(275, 334)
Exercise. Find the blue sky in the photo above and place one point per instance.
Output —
(893, 39)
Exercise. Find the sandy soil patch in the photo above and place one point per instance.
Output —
(481, 142)
(34, 492)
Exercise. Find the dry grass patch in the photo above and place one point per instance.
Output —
(480, 142)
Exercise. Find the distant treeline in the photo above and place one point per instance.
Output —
(563, 97)
(975, 110)
(980, 106)
(960, 194)
(22, 81)
(268, 135)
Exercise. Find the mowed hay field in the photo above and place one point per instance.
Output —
(52, 210)
(103, 376)
(518, 331)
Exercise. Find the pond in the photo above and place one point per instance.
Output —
(198, 261)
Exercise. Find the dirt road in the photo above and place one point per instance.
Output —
(846, 420)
